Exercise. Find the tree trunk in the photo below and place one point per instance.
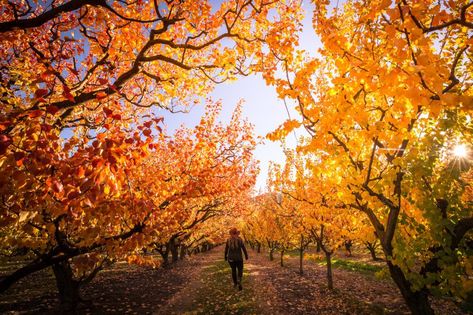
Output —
(301, 256)
(258, 247)
(282, 257)
(328, 257)
(318, 247)
(348, 245)
(271, 250)
(68, 288)
(174, 247)
(372, 248)
(164, 255)
(37, 265)
(418, 302)
(183, 252)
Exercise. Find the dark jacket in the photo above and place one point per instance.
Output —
(234, 254)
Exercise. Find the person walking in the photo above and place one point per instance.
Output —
(233, 254)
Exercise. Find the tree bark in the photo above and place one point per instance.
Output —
(174, 248)
(328, 258)
(271, 257)
(348, 244)
(301, 256)
(372, 248)
(282, 257)
(68, 288)
(163, 250)
(258, 247)
(418, 302)
(183, 252)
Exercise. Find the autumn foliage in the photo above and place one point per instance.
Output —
(90, 174)
(383, 105)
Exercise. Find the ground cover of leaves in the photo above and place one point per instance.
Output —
(202, 284)
(120, 289)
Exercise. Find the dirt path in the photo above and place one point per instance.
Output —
(272, 289)
(202, 284)
(268, 289)
(354, 292)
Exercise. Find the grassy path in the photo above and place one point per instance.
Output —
(212, 291)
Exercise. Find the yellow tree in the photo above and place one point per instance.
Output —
(384, 104)
(328, 222)
(283, 181)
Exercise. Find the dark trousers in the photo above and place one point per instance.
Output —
(236, 265)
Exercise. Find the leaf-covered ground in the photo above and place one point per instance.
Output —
(202, 285)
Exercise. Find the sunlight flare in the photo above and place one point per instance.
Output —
(460, 151)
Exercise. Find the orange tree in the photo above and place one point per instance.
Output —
(92, 70)
(384, 104)
(67, 198)
(70, 58)
(207, 169)
(264, 226)
(108, 200)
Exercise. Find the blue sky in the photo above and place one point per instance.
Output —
(261, 106)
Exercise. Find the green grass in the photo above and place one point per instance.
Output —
(292, 253)
(337, 263)
(351, 265)
(218, 295)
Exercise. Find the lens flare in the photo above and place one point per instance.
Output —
(460, 151)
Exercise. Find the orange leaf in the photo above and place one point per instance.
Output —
(53, 109)
(40, 93)
(100, 95)
(73, 71)
(46, 127)
(35, 113)
(56, 186)
(108, 112)
(44, 76)
(67, 93)
(80, 172)
(4, 125)
(19, 157)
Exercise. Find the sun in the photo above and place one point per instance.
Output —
(460, 151)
